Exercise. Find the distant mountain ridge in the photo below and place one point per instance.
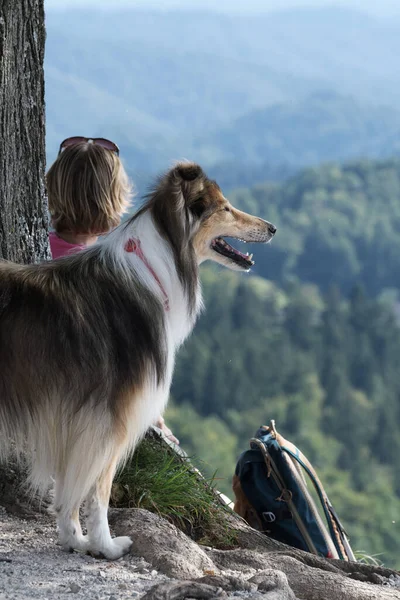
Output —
(324, 126)
(228, 89)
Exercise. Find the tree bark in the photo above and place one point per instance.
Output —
(23, 207)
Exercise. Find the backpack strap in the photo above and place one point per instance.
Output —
(337, 530)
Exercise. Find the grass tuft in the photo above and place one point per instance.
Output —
(367, 559)
(158, 480)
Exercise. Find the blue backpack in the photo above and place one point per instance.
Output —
(272, 495)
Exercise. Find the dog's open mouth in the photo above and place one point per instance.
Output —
(222, 247)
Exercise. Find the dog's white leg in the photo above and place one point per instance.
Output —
(69, 527)
(70, 532)
(100, 539)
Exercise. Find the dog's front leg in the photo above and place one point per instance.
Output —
(100, 540)
(69, 527)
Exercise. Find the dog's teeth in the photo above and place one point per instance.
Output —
(250, 257)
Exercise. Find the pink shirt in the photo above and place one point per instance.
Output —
(60, 247)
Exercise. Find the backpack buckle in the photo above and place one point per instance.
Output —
(269, 516)
(272, 428)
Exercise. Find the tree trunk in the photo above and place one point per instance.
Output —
(23, 208)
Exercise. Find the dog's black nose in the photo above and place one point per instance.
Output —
(272, 228)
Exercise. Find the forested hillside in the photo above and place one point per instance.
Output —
(336, 224)
(325, 367)
(320, 357)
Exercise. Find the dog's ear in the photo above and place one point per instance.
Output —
(190, 179)
(188, 171)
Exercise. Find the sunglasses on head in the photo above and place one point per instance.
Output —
(71, 141)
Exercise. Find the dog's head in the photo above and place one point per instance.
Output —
(194, 212)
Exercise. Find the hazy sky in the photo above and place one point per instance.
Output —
(378, 7)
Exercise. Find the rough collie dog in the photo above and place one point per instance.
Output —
(87, 343)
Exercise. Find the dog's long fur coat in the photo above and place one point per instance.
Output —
(87, 343)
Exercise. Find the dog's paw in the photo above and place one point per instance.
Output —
(117, 548)
(79, 544)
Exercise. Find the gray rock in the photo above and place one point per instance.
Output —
(274, 583)
(239, 559)
(268, 584)
(168, 550)
(229, 583)
(180, 590)
(74, 588)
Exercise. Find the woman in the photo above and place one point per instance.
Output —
(88, 192)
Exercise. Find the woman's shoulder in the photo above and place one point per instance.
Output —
(60, 247)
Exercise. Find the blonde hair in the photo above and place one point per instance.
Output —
(88, 189)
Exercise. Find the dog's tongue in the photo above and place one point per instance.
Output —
(247, 256)
(222, 242)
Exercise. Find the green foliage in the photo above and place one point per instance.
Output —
(157, 480)
(201, 441)
(336, 224)
(325, 367)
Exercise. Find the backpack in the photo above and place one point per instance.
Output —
(272, 496)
